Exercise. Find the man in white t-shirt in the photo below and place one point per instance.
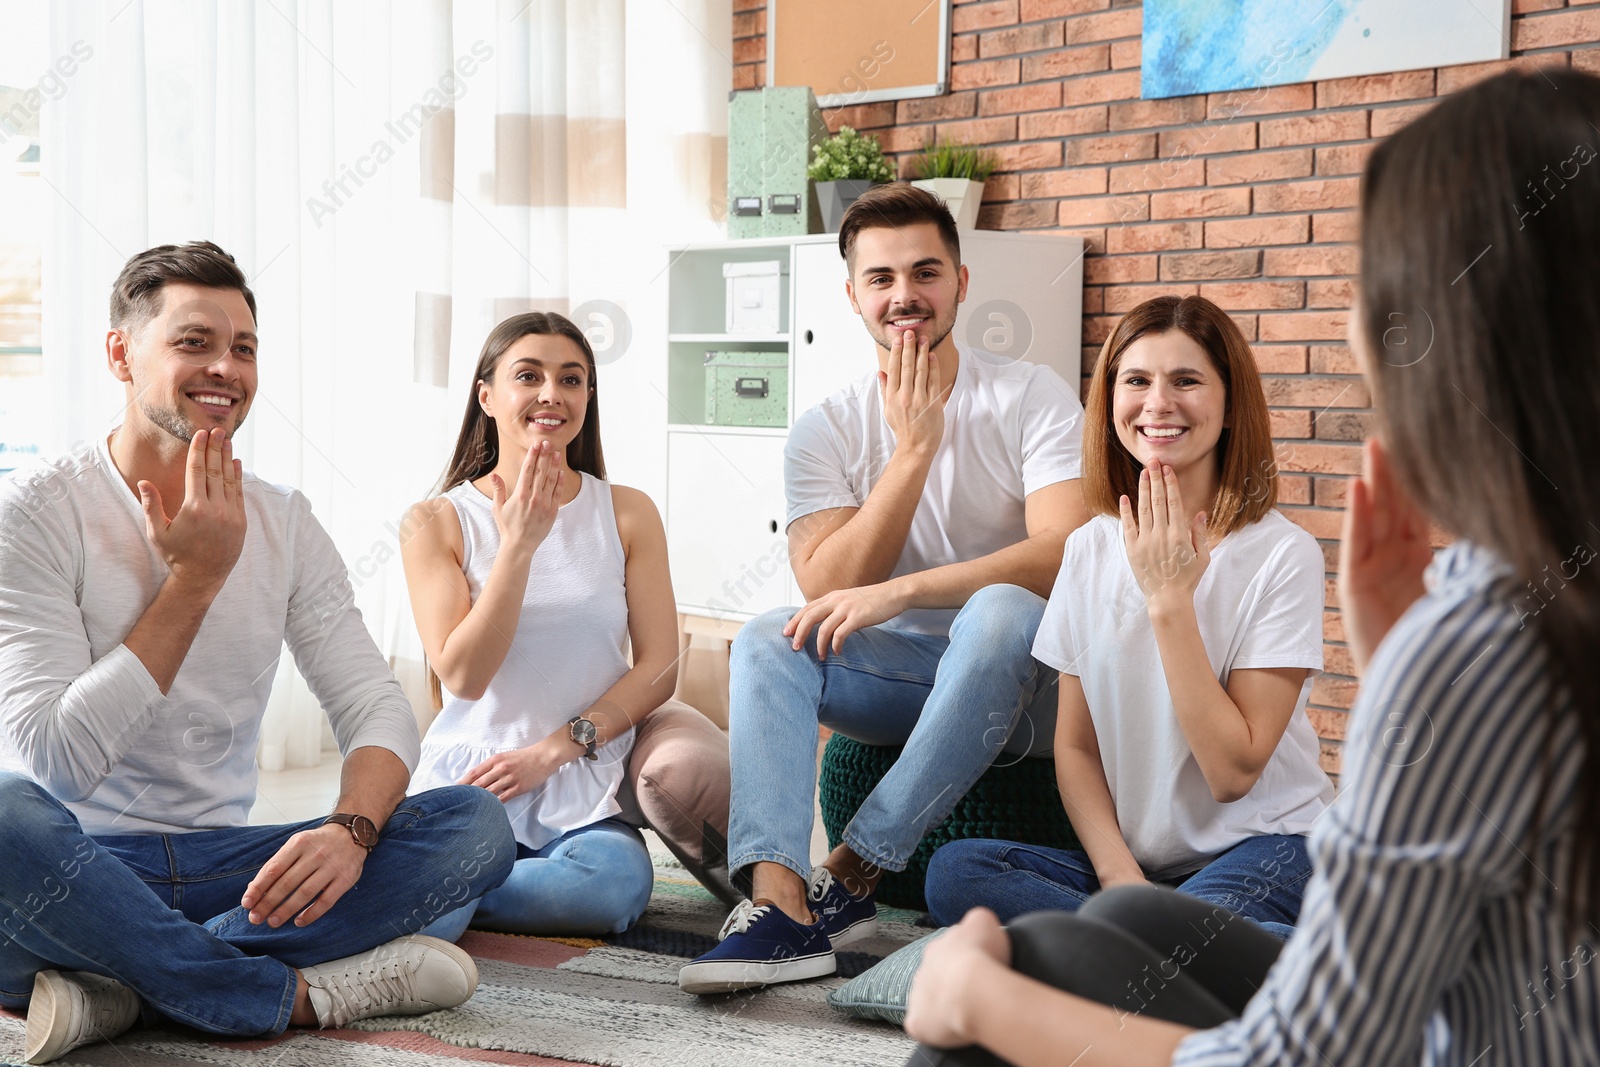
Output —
(148, 585)
(927, 509)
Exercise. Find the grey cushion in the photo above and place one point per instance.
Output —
(881, 992)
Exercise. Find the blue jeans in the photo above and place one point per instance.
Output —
(1261, 878)
(955, 703)
(160, 912)
(590, 881)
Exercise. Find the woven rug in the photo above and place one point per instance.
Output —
(552, 1002)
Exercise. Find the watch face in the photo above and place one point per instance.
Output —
(583, 732)
(365, 833)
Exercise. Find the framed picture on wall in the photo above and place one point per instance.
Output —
(1211, 46)
(849, 52)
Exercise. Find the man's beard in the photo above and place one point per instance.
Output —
(179, 425)
(936, 339)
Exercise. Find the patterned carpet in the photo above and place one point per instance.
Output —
(549, 1002)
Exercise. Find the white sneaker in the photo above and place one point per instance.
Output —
(73, 1008)
(407, 976)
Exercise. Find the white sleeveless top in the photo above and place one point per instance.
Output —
(570, 647)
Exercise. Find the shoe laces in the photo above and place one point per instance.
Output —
(354, 993)
(744, 916)
(820, 883)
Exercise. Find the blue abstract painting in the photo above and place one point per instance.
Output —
(1211, 46)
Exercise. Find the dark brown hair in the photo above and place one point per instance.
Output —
(478, 443)
(897, 204)
(1480, 266)
(136, 294)
(1247, 472)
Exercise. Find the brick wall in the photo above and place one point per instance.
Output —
(1246, 198)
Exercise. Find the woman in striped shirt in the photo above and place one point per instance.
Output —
(1452, 915)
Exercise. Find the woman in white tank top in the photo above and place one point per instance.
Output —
(530, 577)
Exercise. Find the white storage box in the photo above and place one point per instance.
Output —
(755, 296)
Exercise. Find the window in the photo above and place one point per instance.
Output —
(24, 59)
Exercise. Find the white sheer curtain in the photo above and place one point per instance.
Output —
(393, 179)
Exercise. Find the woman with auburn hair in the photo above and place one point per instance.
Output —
(530, 578)
(1451, 916)
(1186, 637)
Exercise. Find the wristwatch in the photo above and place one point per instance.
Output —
(583, 733)
(360, 827)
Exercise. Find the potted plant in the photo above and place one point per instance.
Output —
(955, 173)
(845, 166)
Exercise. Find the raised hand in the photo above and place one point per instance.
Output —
(1382, 554)
(526, 514)
(202, 542)
(913, 397)
(1167, 550)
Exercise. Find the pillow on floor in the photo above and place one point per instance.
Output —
(678, 784)
(880, 993)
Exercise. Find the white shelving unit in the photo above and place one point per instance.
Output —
(725, 502)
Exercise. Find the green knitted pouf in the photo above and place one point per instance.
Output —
(1015, 800)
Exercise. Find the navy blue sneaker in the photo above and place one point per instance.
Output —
(759, 945)
(845, 919)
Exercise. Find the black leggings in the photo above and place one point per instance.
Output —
(1145, 950)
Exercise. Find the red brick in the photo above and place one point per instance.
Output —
(1207, 266)
(1126, 54)
(749, 5)
(1332, 626)
(1386, 120)
(1344, 158)
(1523, 7)
(1097, 210)
(1333, 359)
(1454, 79)
(1262, 100)
(1155, 237)
(1329, 294)
(1003, 187)
(1111, 149)
(1259, 167)
(1335, 227)
(1345, 426)
(1318, 523)
(1315, 392)
(1041, 156)
(750, 23)
(1587, 60)
(997, 129)
(1209, 139)
(1094, 300)
(1314, 129)
(1067, 63)
(1375, 88)
(1290, 424)
(1304, 326)
(1023, 98)
(968, 17)
(905, 138)
(744, 77)
(1124, 298)
(1094, 240)
(1101, 88)
(1321, 459)
(1307, 196)
(1246, 324)
(1294, 489)
(984, 75)
(1128, 22)
(749, 49)
(1096, 328)
(1158, 174)
(1330, 592)
(1114, 270)
(860, 116)
(1242, 233)
(1077, 181)
(1255, 295)
(1144, 114)
(937, 108)
(1330, 492)
(1192, 203)
(1033, 10)
(1068, 123)
(1550, 31)
(1327, 722)
(964, 48)
(1333, 691)
(1306, 262)
(1280, 359)
(1025, 215)
(1036, 37)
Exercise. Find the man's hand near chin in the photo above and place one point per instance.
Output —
(312, 870)
(842, 612)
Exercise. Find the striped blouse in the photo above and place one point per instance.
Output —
(1432, 931)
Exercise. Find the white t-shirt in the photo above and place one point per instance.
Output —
(80, 714)
(1259, 605)
(1010, 429)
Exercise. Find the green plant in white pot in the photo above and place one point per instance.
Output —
(845, 166)
(955, 173)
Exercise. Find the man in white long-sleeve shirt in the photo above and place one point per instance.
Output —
(147, 588)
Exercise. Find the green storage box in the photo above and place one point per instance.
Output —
(747, 389)
(770, 135)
